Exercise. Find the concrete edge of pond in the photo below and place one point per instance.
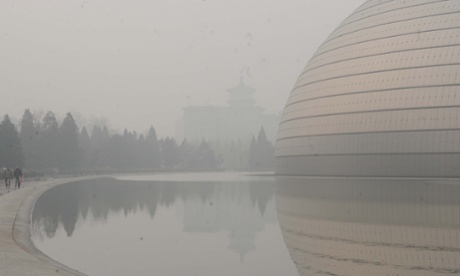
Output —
(18, 255)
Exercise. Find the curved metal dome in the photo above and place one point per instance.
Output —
(380, 97)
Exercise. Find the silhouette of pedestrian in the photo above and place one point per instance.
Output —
(17, 175)
(7, 175)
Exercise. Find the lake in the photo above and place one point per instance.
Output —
(169, 224)
(235, 224)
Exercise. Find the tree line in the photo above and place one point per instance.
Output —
(45, 145)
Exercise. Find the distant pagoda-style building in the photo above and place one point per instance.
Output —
(239, 120)
(241, 95)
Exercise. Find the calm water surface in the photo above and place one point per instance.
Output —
(371, 226)
(177, 224)
(198, 224)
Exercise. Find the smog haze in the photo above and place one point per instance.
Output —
(138, 63)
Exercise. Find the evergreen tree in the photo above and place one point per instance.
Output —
(153, 149)
(28, 130)
(96, 135)
(115, 156)
(266, 154)
(69, 151)
(30, 139)
(84, 140)
(262, 137)
(11, 154)
(253, 160)
(142, 155)
(105, 135)
(98, 153)
(261, 152)
(169, 152)
(205, 158)
(84, 144)
(50, 122)
(128, 149)
(50, 141)
(186, 155)
(235, 155)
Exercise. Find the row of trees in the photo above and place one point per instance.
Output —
(47, 144)
(132, 151)
(43, 144)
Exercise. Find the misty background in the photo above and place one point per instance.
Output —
(136, 64)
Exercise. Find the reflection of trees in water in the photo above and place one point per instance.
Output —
(58, 207)
(65, 204)
(260, 195)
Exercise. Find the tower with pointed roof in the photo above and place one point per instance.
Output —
(241, 95)
(240, 119)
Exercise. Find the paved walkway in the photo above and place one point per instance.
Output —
(18, 256)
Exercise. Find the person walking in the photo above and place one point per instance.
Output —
(17, 175)
(4, 177)
(7, 175)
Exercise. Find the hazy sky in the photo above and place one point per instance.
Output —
(139, 62)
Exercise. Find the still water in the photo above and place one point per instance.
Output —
(199, 224)
(371, 226)
(177, 224)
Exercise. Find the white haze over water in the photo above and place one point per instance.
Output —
(138, 63)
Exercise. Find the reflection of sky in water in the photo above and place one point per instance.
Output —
(361, 227)
(122, 227)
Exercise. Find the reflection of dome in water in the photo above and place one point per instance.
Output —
(380, 97)
(378, 226)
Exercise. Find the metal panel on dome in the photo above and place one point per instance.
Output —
(380, 97)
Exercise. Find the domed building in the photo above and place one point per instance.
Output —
(380, 97)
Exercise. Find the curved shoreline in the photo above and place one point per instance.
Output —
(18, 255)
